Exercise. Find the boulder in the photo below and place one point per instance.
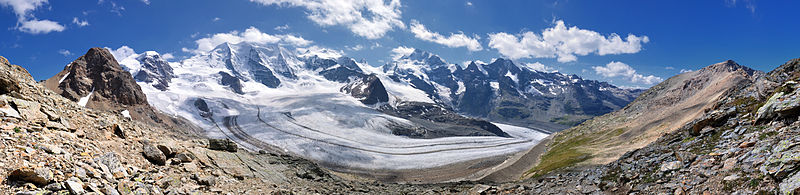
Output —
(153, 154)
(169, 152)
(670, 166)
(184, 157)
(8, 83)
(791, 185)
(38, 176)
(207, 180)
(222, 145)
(118, 131)
(781, 104)
(6, 110)
(74, 185)
(111, 161)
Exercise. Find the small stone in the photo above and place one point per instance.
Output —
(54, 187)
(74, 185)
(30, 192)
(112, 163)
(790, 185)
(731, 177)
(81, 173)
(679, 191)
(674, 165)
(222, 144)
(207, 180)
(108, 190)
(56, 126)
(39, 176)
(190, 167)
(51, 149)
(479, 189)
(153, 154)
(169, 152)
(184, 157)
(118, 131)
(747, 144)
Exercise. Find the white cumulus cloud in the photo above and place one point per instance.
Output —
(282, 28)
(537, 66)
(168, 56)
(367, 18)
(40, 26)
(563, 43)
(79, 22)
(401, 51)
(26, 21)
(122, 52)
(622, 70)
(357, 47)
(64, 52)
(454, 40)
(251, 34)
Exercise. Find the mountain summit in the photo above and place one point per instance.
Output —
(96, 80)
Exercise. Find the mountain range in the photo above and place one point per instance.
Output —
(500, 91)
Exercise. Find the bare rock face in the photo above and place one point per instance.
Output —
(155, 70)
(368, 89)
(437, 121)
(8, 83)
(234, 83)
(222, 145)
(98, 77)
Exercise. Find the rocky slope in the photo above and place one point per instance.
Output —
(664, 108)
(728, 149)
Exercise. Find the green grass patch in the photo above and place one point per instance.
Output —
(766, 135)
(567, 120)
(564, 154)
(616, 132)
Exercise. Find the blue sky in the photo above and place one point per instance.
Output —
(656, 39)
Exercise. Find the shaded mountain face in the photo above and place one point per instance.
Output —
(436, 122)
(96, 80)
(368, 89)
(269, 65)
(664, 108)
(506, 92)
(154, 69)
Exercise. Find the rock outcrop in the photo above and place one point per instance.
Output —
(436, 121)
(97, 77)
(367, 89)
